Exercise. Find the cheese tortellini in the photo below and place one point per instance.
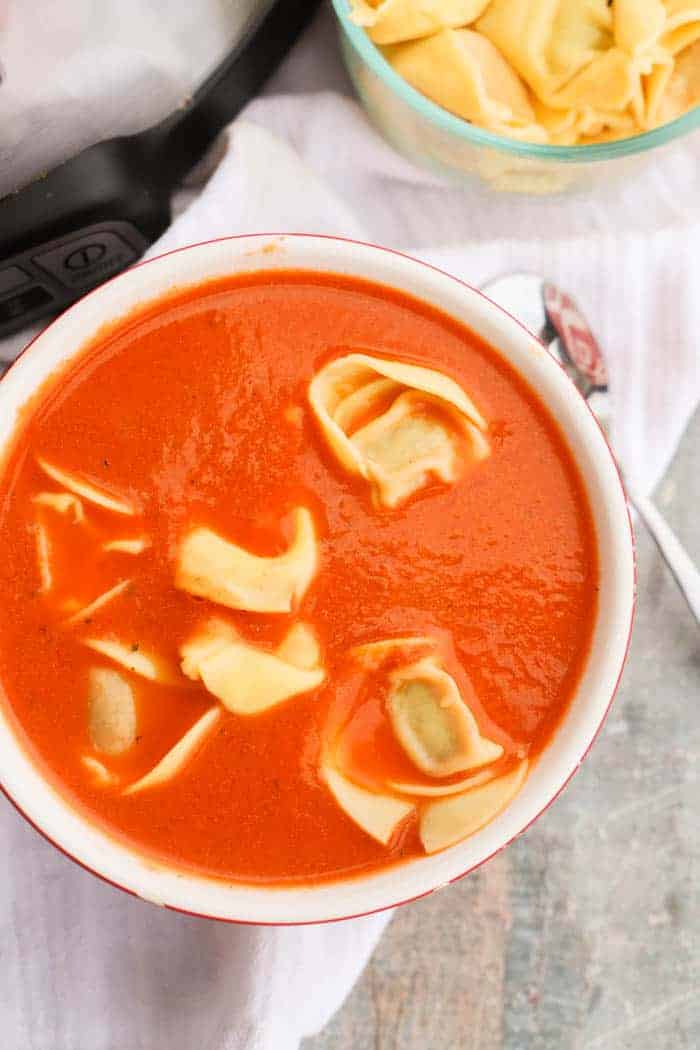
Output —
(378, 815)
(246, 678)
(209, 566)
(449, 820)
(396, 425)
(395, 20)
(433, 724)
(81, 487)
(565, 72)
(112, 711)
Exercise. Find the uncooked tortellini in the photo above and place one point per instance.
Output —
(565, 72)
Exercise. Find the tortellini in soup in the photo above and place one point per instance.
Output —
(447, 821)
(396, 425)
(112, 711)
(377, 815)
(456, 778)
(249, 679)
(210, 566)
(433, 724)
(180, 754)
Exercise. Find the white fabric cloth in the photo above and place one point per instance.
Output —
(83, 967)
(74, 73)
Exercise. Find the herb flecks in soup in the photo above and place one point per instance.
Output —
(303, 578)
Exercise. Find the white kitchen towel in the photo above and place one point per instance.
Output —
(84, 967)
(72, 74)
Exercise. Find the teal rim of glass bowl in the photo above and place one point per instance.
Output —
(447, 121)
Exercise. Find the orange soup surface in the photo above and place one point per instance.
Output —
(194, 414)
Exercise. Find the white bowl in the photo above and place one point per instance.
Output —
(92, 847)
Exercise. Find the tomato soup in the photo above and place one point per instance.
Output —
(299, 579)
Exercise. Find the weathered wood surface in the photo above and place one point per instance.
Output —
(585, 933)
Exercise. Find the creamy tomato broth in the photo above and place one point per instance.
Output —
(299, 579)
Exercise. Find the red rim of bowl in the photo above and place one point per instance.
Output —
(407, 900)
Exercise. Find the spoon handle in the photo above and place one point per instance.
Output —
(672, 550)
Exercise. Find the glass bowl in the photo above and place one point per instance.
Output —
(431, 136)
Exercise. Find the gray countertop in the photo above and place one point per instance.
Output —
(584, 934)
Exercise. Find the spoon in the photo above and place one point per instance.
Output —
(556, 320)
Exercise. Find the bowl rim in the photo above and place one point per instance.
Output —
(632, 145)
(264, 240)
